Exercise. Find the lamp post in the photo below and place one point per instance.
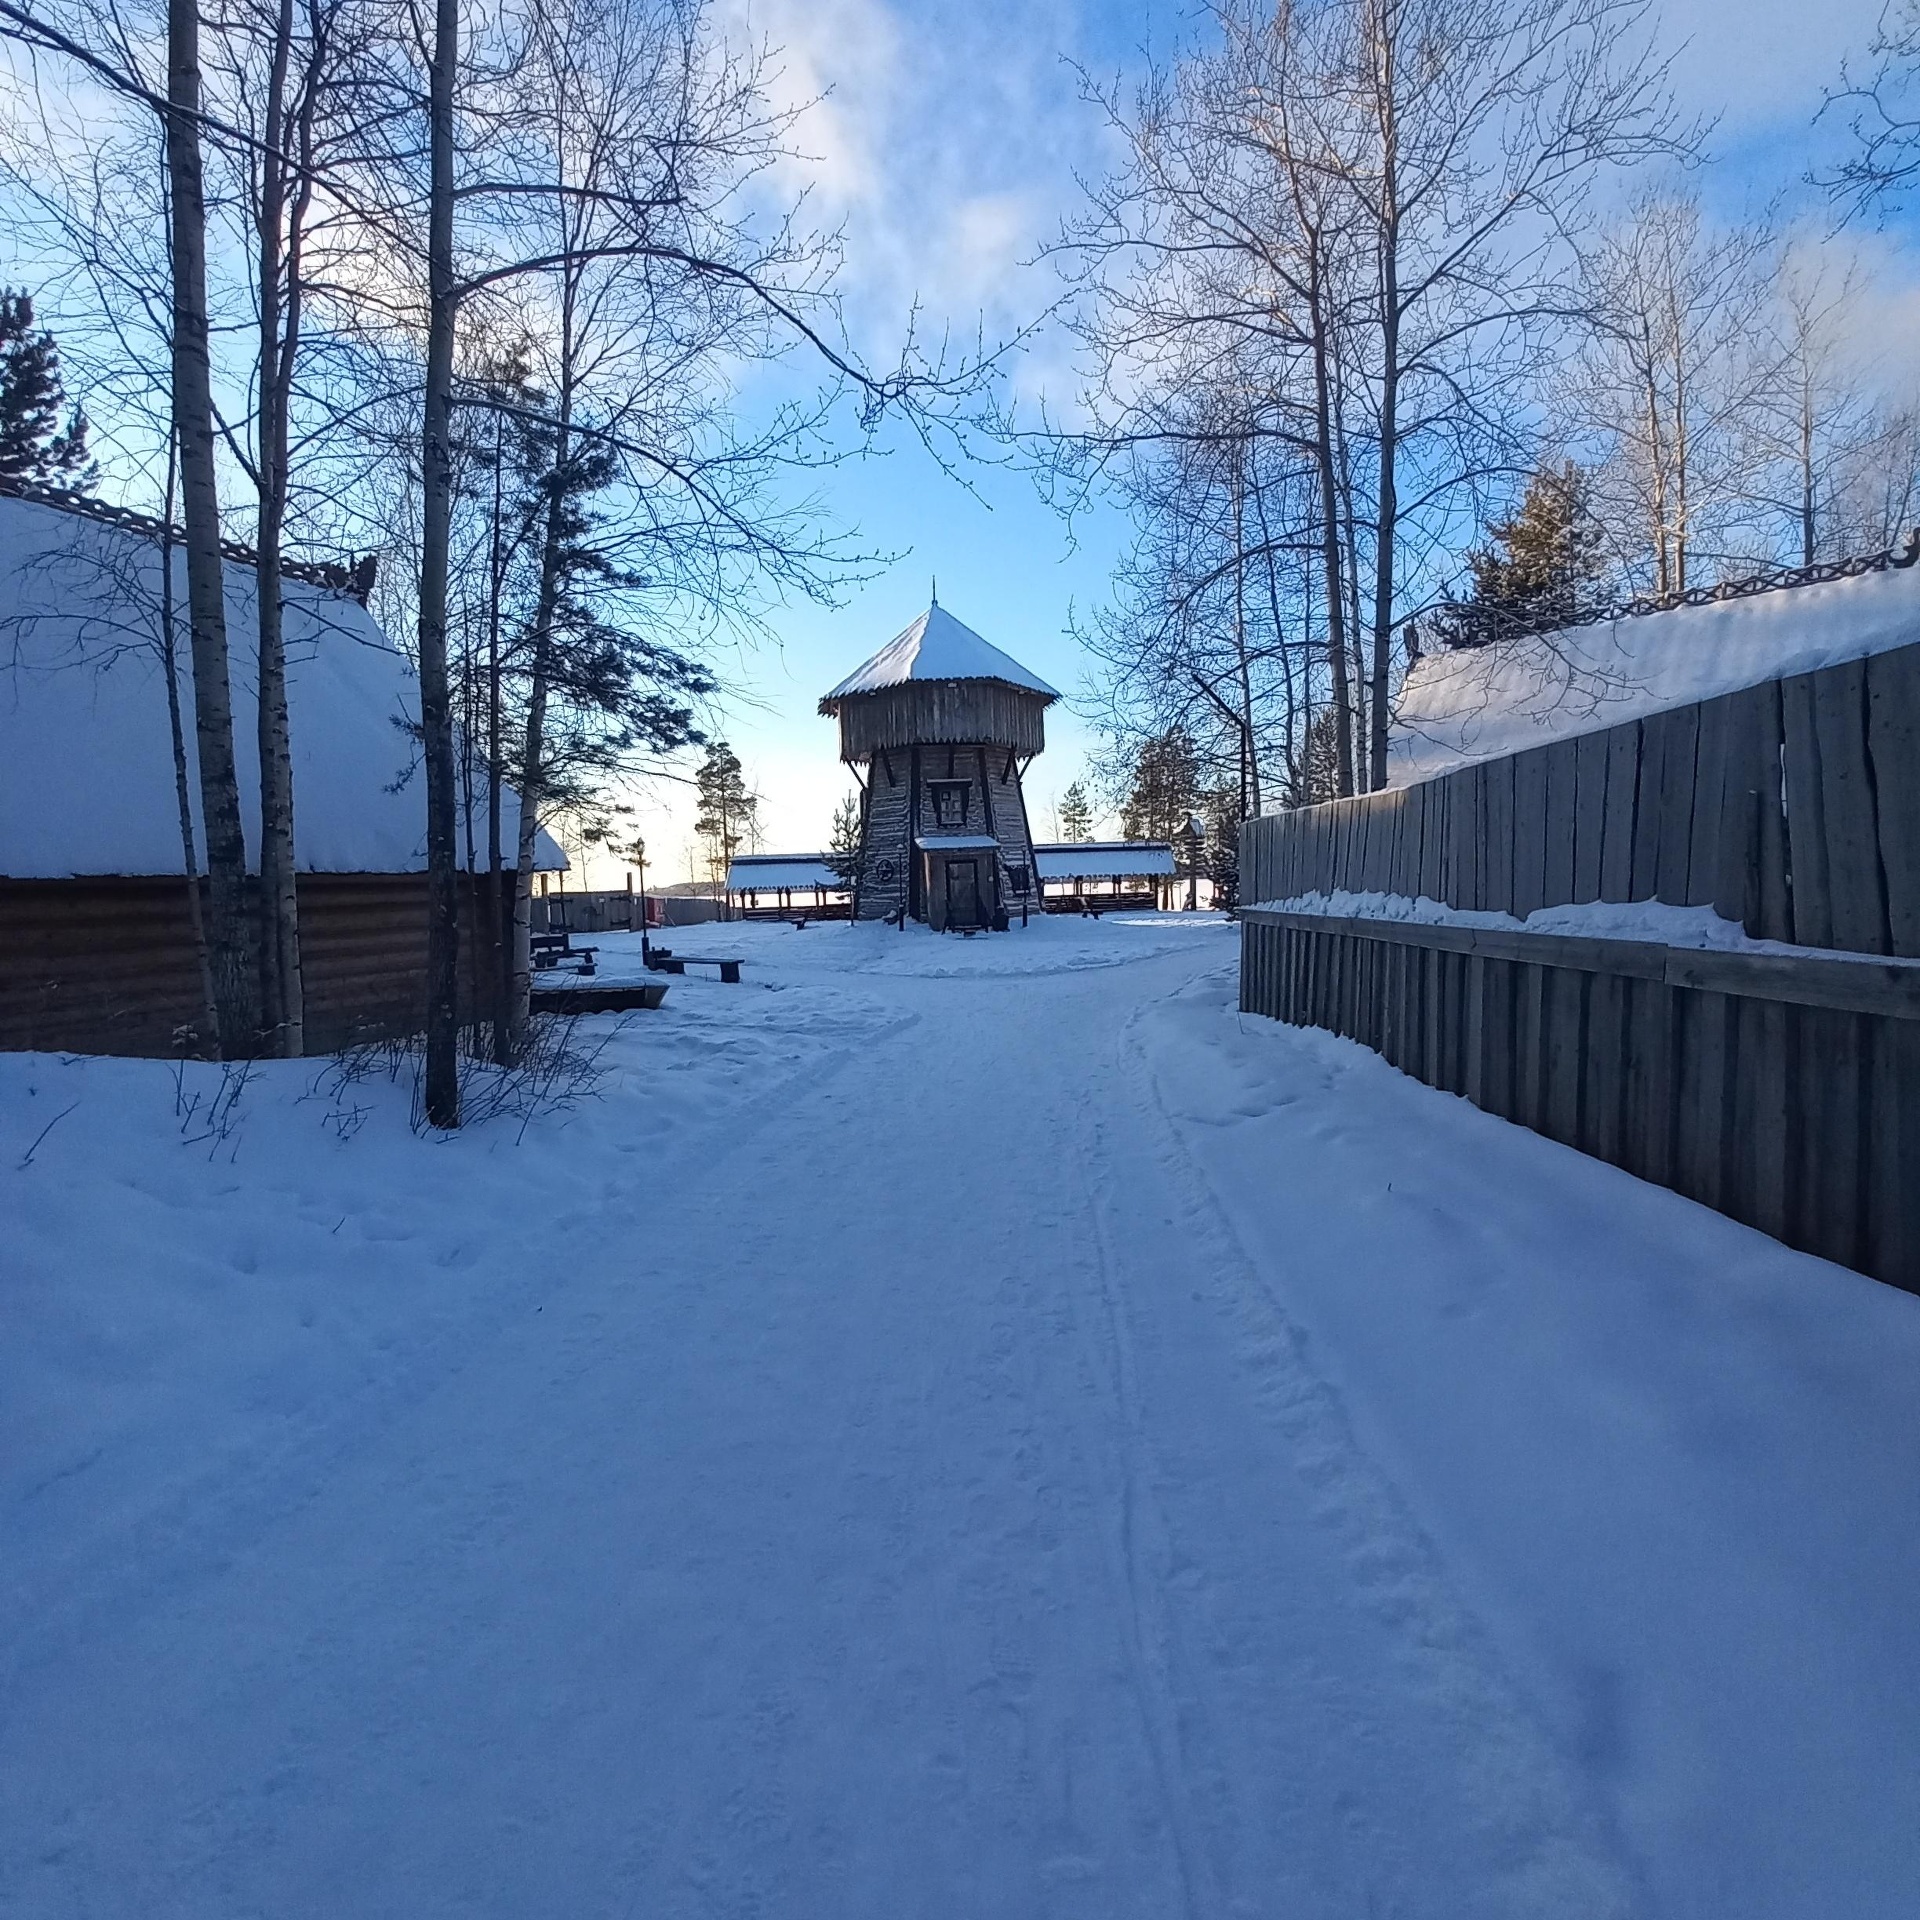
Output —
(1192, 837)
(640, 861)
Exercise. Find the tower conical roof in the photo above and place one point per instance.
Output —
(936, 647)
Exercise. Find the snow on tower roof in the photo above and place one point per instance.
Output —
(936, 647)
(1482, 702)
(86, 761)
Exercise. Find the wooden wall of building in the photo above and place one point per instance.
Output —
(107, 965)
(1793, 808)
(896, 810)
(941, 712)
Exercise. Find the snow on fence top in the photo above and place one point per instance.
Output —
(773, 872)
(936, 647)
(1103, 859)
(1482, 702)
(86, 758)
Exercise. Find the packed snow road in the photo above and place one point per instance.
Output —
(978, 1429)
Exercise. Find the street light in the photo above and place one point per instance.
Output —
(640, 861)
(1192, 837)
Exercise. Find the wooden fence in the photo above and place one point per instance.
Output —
(1792, 807)
(1783, 1090)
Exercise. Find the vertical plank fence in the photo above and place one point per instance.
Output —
(1783, 1090)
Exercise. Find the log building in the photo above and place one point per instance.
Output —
(940, 728)
(97, 947)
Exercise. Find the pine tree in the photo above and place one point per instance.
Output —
(33, 444)
(1076, 814)
(1542, 568)
(727, 809)
(843, 844)
(1166, 788)
(1220, 854)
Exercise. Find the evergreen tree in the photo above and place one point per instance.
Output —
(1076, 814)
(1220, 853)
(843, 844)
(1166, 788)
(33, 443)
(1544, 562)
(728, 811)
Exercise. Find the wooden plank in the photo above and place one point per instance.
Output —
(1486, 1085)
(1433, 842)
(1827, 1205)
(1709, 792)
(1752, 881)
(1857, 892)
(1386, 822)
(1496, 841)
(1589, 813)
(1529, 832)
(1885, 988)
(1760, 1117)
(1616, 838)
(1893, 742)
(1893, 1135)
(1464, 838)
(1701, 1096)
(1557, 849)
(1617, 828)
(1647, 1135)
(1473, 1037)
(1563, 1015)
(1602, 1078)
(1645, 883)
(1678, 731)
(1806, 815)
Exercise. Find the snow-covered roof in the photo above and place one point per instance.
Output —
(1478, 703)
(937, 647)
(1103, 859)
(86, 761)
(770, 872)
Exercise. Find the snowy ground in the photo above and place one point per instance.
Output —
(957, 1428)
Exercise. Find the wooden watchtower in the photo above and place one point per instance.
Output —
(940, 727)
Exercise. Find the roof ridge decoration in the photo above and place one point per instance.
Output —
(355, 581)
(936, 647)
(1464, 625)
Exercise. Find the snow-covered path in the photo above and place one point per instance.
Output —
(973, 1463)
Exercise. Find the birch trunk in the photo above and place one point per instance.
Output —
(229, 948)
(182, 783)
(282, 995)
(1387, 522)
(436, 471)
(532, 766)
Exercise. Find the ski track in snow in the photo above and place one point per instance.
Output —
(920, 1447)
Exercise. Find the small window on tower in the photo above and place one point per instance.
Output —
(949, 803)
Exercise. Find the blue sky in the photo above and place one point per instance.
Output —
(946, 143)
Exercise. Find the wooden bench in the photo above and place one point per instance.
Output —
(680, 962)
(640, 995)
(547, 950)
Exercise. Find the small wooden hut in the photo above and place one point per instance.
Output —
(940, 728)
(97, 948)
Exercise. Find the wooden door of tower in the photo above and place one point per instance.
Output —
(964, 905)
